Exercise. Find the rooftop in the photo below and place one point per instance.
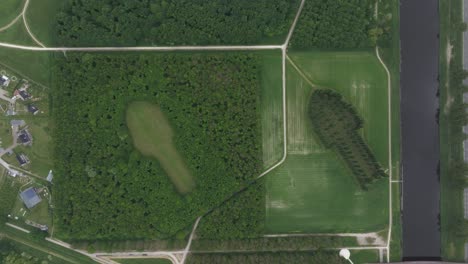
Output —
(30, 197)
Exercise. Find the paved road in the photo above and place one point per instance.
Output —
(420, 138)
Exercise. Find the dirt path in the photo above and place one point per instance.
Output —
(390, 171)
(25, 22)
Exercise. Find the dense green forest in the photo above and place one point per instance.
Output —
(173, 22)
(104, 188)
(242, 216)
(268, 258)
(336, 123)
(330, 24)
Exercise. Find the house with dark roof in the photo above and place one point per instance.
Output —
(30, 197)
(25, 137)
(33, 109)
(4, 81)
(24, 95)
(22, 159)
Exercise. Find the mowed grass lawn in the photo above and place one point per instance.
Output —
(313, 191)
(152, 136)
(41, 16)
(272, 108)
(9, 10)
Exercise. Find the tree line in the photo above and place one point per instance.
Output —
(173, 22)
(104, 189)
(336, 123)
(331, 24)
(329, 257)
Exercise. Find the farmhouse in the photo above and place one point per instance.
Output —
(4, 81)
(33, 109)
(22, 159)
(25, 137)
(30, 197)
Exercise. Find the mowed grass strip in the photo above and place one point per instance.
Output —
(152, 136)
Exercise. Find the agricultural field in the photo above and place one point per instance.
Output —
(272, 108)
(313, 191)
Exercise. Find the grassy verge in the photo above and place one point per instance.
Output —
(452, 117)
(41, 245)
(390, 54)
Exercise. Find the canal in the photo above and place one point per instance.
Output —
(419, 28)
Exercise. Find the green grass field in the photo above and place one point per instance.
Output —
(360, 78)
(9, 10)
(143, 261)
(152, 136)
(41, 17)
(313, 191)
(17, 34)
(272, 108)
(34, 66)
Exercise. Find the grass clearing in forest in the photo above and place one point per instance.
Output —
(313, 191)
(152, 136)
(272, 108)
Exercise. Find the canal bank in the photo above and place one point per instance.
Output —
(419, 129)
